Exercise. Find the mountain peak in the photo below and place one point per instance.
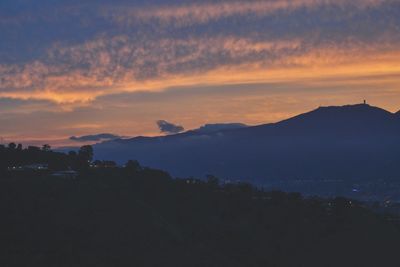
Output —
(357, 109)
(348, 118)
(362, 106)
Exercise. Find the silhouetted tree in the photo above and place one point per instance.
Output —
(133, 166)
(72, 159)
(46, 147)
(85, 156)
(3, 160)
(86, 153)
(12, 146)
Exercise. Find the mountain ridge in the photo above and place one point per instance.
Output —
(348, 142)
(240, 126)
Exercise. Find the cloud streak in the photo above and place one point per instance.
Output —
(108, 66)
(189, 14)
(94, 137)
(148, 49)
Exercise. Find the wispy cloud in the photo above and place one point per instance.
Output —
(118, 64)
(94, 137)
(69, 57)
(194, 13)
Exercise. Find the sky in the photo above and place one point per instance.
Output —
(73, 68)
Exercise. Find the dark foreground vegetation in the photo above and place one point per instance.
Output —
(14, 155)
(122, 217)
(135, 216)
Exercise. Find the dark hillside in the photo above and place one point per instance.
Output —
(141, 217)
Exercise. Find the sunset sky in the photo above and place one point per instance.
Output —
(70, 67)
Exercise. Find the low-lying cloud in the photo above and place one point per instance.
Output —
(169, 128)
(95, 137)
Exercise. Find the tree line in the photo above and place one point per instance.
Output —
(13, 155)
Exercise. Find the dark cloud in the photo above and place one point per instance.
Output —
(169, 128)
(107, 44)
(95, 137)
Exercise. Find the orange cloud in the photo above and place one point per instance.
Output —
(250, 63)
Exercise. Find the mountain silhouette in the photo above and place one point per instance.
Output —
(209, 128)
(353, 142)
(349, 119)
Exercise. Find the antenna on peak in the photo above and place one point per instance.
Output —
(365, 102)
